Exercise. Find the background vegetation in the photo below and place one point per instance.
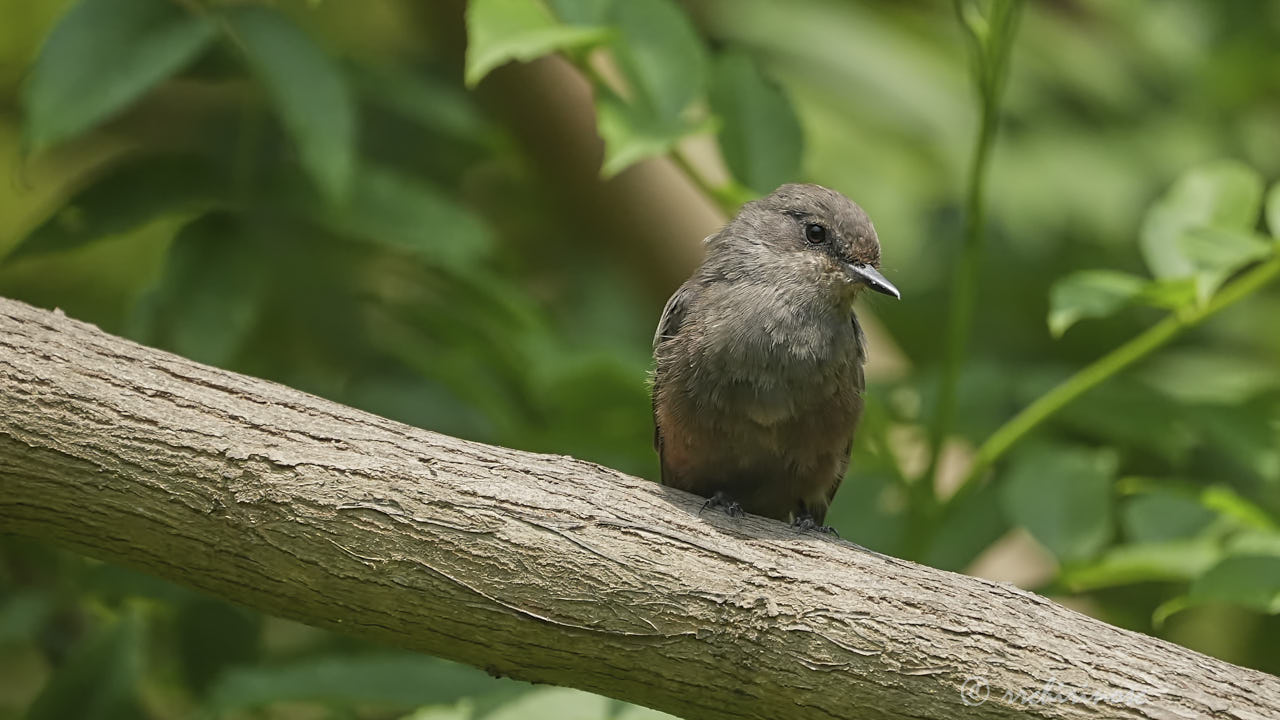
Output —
(1080, 391)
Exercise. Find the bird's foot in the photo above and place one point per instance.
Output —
(805, 522)
(720, 500)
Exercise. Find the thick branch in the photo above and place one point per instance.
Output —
(538, 567)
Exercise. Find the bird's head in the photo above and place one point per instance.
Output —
(815, 232)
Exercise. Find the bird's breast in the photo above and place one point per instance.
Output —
(777, 362)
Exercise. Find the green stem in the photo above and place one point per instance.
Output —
(1044, 407)
(992, 45)
(724, 197)
(992, 40)
(964, 292)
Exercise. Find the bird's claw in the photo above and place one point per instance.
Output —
(720, 500)
(805, 522)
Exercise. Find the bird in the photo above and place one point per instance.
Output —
(758, 380)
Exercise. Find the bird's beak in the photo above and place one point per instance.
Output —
(872, 278)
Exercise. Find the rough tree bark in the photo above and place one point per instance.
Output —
(538, 567)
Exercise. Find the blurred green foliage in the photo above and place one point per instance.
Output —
(355, 199)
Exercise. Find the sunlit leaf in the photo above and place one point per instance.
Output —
(1168, 561)
(664, 63)
(125, 198)
(760, 136)
(1273, 211)
(1063, 497)
(1217, 253)
(458, 711)
(1169, 293)
(567, 704)
(1224, 195)
(499, 31)
(102, 56)
(662, 56)
(1254, 542)
(98, 682)
(209, 294)
(631, 134)
(1090, 294)
(1229, 503)
(308, 90)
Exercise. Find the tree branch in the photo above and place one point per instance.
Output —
(539, 567)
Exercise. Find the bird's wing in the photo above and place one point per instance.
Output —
(673, 315)
(860, 381)
(668, 325)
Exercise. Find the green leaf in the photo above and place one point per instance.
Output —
(661, 55)
(968, 528)
(582, 12)
(440, 107)
(209, 295)
(1168, 561)
(499, 31)
(1063, 497)
(459, 711)
(308, 90)
(400, 211)
(554, 704)
(1247, 432)
(1130, 414)
(1224, 195)
(23, 615)
(98, 682)
(1205, 375)
(212, 637)
(1161, 516)
(870, 508)
(1090, 294)
(1170, 293)
(1228, 503)
(101, 57)
(665, 67)
(760, 135)
(1254, 542)
(124, 198)
(1217, 253)
(567, 704)
(397, 680)
(1251, 581)
(631, 134)
(116, 585)
(1273, 211)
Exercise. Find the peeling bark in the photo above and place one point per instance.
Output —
(538, 567)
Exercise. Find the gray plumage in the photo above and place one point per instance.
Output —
(758, 381)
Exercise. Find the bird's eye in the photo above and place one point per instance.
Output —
(815, 233)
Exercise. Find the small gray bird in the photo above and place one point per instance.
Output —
(758, 381)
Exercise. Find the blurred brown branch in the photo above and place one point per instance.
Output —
(539, 567)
